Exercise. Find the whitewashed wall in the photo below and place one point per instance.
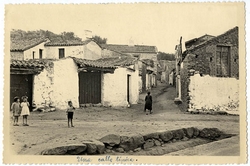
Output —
(89, 51)
(114, 87)
(66, 84)
(57, 87)
(52, 52)
(28, 54)
(216, 93)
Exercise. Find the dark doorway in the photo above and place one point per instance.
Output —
(21, 85)
(40, 54)
(89, 87)
(128, 87)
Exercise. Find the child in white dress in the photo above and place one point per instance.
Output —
(25, 109)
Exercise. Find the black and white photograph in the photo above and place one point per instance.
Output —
(123, 83)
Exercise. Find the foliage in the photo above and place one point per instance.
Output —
(64, 36)
(165, 56)
(99, 39)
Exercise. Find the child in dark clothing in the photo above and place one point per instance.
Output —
(70, 113)
(148, 103)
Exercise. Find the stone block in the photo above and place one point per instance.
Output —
(111, 139)
(148, 144)
(166, 136)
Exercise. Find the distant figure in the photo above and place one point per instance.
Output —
(16, 108)
(25, 110)
(70, 113)
(171, 81)
(148, 103)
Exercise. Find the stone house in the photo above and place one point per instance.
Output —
(144, 54)
(51, 83)
(209, 73)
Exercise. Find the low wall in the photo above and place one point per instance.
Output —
(213, 93)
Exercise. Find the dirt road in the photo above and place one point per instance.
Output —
(50, 129)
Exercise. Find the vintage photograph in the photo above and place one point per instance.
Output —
(125, 80)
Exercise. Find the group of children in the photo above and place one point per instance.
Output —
(20, 109)
(23, 109)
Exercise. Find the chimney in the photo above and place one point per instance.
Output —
(131, 42)
(88, 34)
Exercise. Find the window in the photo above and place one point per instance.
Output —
(40, 53)
(33, 54)
(223, 61)
(61, 53)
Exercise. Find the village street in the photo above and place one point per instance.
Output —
(51, 130)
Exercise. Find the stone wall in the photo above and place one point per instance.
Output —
(114, 87)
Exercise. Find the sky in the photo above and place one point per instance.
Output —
(160, 25)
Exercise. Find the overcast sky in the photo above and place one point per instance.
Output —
(160, 25)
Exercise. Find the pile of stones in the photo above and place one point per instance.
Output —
(122, 144)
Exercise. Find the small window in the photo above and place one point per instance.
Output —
(33, 54)
(40, 53)
(61, 53)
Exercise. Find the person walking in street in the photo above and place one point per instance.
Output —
(148, 103)
(70, 113)
(25, 110)
(16, 109)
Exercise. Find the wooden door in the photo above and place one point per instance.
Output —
(128, 87)
(89, 87)
(21, 85)
(223, 61)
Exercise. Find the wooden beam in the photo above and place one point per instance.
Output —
(25, 71)
(93, 69)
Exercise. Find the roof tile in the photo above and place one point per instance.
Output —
(130, 49)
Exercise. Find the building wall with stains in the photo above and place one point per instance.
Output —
(213, 93)
(57, 84)
(114, 87)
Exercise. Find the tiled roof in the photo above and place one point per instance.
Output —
(112, 62)
(67, 43)
(211, 40)
(29, 64)
(24, 44)
(198, 40)
(119, 61)
(93, 63)
(130, 49)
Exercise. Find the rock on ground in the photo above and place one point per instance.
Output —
(131, 143)
(166, 136)
(148, 144)
(151, 136)
(210, 133)
(66, 150)
(178, 134)
(94, 147)
(111, 139)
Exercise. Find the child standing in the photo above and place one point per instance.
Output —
(70, 113)
(16, 108)
(25, 109)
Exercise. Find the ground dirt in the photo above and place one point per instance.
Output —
(48, 130)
